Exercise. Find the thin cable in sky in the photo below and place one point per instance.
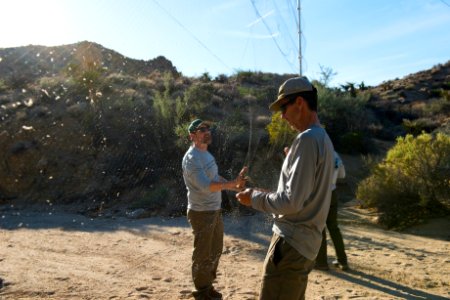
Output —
(292, 9)
(294, 46)
(445, 3)
(193, 35)
(271, 34)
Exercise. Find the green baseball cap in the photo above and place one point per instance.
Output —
(196, 124)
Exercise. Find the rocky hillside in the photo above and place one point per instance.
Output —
(81, 123)
(32, 62)
(417, 101)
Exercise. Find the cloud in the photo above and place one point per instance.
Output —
(260, 19)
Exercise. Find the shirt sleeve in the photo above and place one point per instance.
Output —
(300, 171)
(196, 174)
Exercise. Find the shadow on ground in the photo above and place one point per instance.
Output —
(254, 227)
(383, 285)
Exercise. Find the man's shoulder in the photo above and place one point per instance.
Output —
(193, 155)
(188, 155)
(312, 134)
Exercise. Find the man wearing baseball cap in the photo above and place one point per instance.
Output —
(301, 202)
(204, 186)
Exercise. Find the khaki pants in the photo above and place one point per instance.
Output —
(285, 273)
(207, 227)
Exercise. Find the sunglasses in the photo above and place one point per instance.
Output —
(284, 107)
(203, 129)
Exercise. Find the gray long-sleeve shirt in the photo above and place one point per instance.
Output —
(199, 170)
(301, 203)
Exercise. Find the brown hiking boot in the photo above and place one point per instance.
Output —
(214, 295)
(211, 294)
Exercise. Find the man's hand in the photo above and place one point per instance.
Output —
(244, 197)
(241, 180)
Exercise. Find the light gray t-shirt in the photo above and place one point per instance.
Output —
(199, 170)
(300, 205)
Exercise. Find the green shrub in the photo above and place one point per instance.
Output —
(437, 106)
(245, 91)
(354, 142)
(343, 115)
(250, 77)
(416, 127)
(205, 77)
(197, 98)
(222, 78)
(280, 133)
(3, 86)
(412, 182)
(436, 93)
(153, 199)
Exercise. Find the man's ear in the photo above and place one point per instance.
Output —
(299, 101)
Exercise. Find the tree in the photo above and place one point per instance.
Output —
(326, 75)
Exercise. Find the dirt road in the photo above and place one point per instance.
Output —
(60, 255)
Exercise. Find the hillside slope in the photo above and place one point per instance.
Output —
(83, 124)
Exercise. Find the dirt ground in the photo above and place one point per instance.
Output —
(61, 255)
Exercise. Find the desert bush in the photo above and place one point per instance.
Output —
(18, 81)
(412, 182)
(251, 77)
(152, 199)
(437, 106)
(120, 79)
(221, 78)
(280, 133)
(417, 126)
(89, 79)
(246, 77)
(205, 77)
(50, 82)
(354, 142)
(343, 114)
(3, 86)
(197, 98)
(265, 94)
(245, 91)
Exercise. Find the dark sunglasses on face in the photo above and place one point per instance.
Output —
(284, 107)
(203, 129)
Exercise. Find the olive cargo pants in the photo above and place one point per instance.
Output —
(285, 273)
(207, 227)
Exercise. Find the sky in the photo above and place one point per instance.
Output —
(368, 41)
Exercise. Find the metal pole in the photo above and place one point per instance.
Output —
(299, 38)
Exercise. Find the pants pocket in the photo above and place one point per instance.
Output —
(277, 254)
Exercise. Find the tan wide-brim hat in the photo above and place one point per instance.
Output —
(289, 87)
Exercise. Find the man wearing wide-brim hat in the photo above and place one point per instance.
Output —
(301, 202)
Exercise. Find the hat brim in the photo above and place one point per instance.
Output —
(204, 123)
(208, 123)
(276, 105)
